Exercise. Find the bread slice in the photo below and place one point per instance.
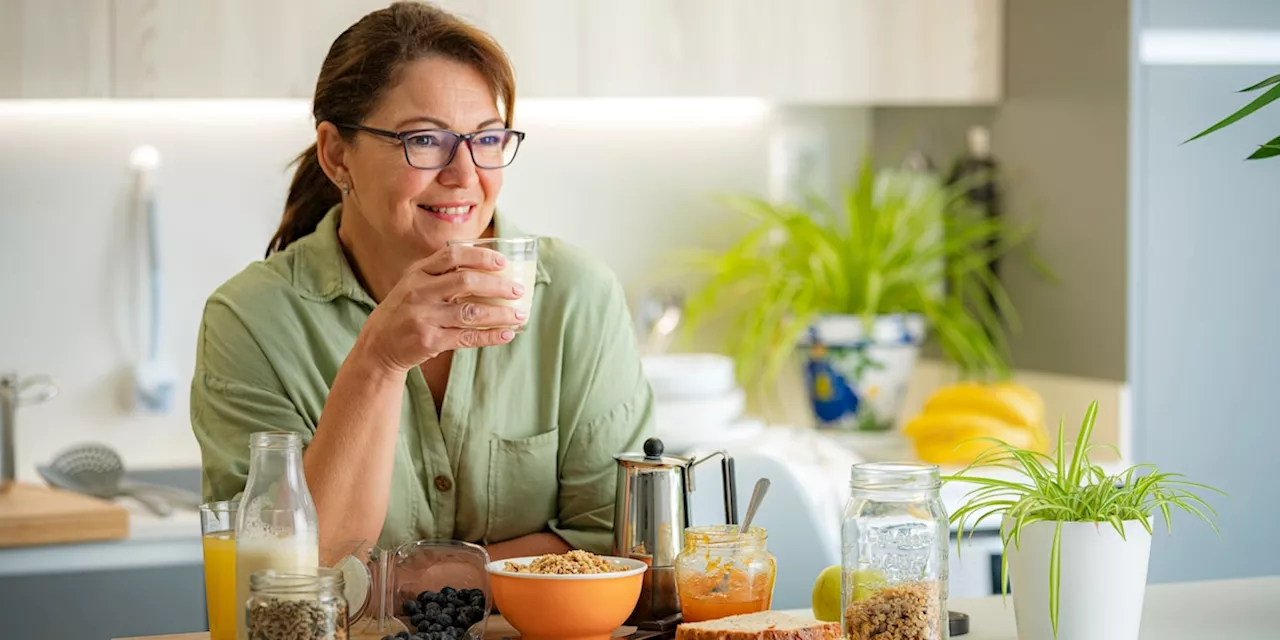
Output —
(765, 625)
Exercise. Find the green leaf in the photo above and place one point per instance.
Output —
(1055, 576)
(1268, 150)
(1265, 83)
(1259, 102)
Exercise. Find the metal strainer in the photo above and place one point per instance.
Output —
(97, 470)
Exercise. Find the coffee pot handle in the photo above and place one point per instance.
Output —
(730, 483)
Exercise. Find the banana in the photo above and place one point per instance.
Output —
(946, 431)
(1007, 401)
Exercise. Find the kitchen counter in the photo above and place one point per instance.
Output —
(1240, 609)
(153, 541)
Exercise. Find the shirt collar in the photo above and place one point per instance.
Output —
(322, 272)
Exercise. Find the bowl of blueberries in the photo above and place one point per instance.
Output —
(438, 590)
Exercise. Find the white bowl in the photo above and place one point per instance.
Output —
(696, 414)
(681, 376)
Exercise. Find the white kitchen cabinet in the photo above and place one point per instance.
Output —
(865, 52)
(54, 49)
(805, 51)
(542, 38)
(225, 49)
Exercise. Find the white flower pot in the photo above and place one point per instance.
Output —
(1103, 580)
(857, 380)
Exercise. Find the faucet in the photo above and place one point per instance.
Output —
(12, 391)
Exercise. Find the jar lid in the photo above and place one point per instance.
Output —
(652, 456)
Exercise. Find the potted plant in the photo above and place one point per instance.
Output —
(857, 284)
(1076, 540)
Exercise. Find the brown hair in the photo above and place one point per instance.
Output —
(362, 64)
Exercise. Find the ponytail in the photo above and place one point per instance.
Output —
(311, 195)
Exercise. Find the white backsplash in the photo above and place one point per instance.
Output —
(630, 181)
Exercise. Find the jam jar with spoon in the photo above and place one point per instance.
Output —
(726, 570)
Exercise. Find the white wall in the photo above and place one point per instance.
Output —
(630, 181)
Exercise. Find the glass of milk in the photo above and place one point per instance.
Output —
(522, 267)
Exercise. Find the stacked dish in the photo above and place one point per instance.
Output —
(698, 401)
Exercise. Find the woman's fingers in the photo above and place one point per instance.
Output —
(478, 284)
(461, 257)
(473, 338)
(470, 313)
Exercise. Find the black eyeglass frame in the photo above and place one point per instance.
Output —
(403, 138)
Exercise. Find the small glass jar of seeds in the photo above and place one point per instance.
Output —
(283, 606)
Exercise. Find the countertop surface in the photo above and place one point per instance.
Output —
(1242, 609)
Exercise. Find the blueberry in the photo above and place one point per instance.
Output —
(411, 607)
(444, 620)
(416, 619)
(403, 635)
(431, 609)
(452, 633)
(423, 626)
(448, 591)
(448, 611)
(435, 626)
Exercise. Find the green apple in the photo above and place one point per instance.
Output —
(826, 594)
(867, 582)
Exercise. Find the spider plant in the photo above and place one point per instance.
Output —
(1070, 488)
(1268, 149)
(884, 250)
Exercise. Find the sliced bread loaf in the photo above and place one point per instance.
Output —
(765, 625)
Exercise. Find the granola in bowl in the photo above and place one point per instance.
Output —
(576, 562)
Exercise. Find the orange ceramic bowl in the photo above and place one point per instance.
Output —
(577, 607)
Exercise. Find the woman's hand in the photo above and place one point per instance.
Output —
(436, 307)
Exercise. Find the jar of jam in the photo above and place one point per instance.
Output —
(722, 572)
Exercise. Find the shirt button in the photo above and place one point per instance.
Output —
(443, 483)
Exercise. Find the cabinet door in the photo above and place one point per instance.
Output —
(54, 49)
(816, 51)
(936, 51)
(226, 49)
(543, 40)
(666, 48)
(820, 51)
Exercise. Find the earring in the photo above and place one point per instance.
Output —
(346, 189)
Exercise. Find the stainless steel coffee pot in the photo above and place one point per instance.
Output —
(651, 512)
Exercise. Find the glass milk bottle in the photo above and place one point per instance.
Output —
(896, 537)
(276, 527)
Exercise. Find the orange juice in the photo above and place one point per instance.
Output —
(220, 584)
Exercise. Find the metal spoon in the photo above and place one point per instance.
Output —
(757, 496)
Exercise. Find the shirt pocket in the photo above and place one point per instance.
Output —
(524, 483)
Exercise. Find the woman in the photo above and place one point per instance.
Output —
(360, 330)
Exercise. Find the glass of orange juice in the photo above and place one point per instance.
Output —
(218, 525)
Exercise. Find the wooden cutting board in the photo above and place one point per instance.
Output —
(35, 515)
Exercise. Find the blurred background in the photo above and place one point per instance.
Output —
(640, 115)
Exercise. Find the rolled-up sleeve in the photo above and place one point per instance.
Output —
(606, 408)
(235, 393)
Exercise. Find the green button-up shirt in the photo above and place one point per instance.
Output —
(527, 432)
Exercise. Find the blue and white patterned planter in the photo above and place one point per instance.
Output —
(856, 381)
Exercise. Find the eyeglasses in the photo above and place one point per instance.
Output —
(435, 148)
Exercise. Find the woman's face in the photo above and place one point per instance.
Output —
(415, 212)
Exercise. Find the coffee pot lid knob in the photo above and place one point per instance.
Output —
(653, 448)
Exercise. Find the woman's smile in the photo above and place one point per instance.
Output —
(451, 212)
